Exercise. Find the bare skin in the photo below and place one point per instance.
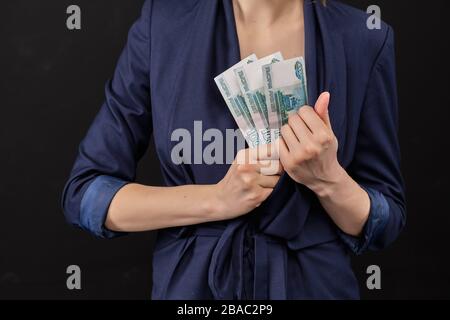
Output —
(267, 26)
(307, 151)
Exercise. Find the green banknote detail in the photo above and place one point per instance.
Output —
(289, 99)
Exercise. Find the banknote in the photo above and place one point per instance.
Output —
(229, 88)
(285, 89)
(251, 83)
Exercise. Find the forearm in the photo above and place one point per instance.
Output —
(141, 208)
(345, 201)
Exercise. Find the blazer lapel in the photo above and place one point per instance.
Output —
(324, 55)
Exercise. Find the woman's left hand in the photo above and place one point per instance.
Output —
(308, 147)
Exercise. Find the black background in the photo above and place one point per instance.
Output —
(51, 86)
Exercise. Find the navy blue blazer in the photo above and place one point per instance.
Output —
(288, 248)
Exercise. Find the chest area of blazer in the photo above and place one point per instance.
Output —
(186, 54)
(188, 51)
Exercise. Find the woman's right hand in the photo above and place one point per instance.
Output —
(244, 187)
(137, 207)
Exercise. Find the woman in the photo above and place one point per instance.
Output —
(227, 231)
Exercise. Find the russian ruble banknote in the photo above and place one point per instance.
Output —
(229, 88)
(262, 93)
(285, 88)
(251, 83)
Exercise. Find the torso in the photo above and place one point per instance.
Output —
(182, 265)
(263, 38)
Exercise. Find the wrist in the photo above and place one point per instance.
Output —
(213, 203)
(334, 181)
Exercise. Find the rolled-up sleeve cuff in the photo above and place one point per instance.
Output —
(375, 225)
(95, 204)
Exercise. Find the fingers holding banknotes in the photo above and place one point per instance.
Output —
(245, 186)
(308, 148)
(267, 96)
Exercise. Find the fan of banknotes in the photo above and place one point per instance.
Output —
(262, 93)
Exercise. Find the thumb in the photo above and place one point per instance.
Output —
(321, 108)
